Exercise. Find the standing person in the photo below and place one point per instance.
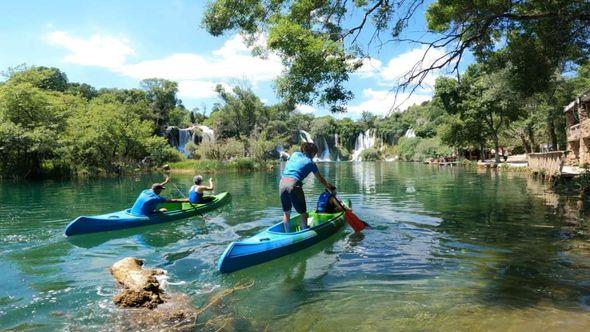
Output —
(197, 191)
(298, 167)
(148, 200)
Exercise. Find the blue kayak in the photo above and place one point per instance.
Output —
(124, 219)
(273, 242)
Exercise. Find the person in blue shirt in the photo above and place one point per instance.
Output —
(148, 200)
(197, 191)
(298, 167)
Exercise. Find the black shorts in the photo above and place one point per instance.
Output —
(292, 195)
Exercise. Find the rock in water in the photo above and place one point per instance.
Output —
(140, 286)
(150, 309)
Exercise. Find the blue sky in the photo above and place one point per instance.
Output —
(118, 43)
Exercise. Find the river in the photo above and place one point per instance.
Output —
(450, 249)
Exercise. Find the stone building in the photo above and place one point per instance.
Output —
(577, 115)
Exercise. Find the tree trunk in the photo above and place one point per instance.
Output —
(531, 135)
(552, 134)
(525, 144)
(481, 151)
(497, 148)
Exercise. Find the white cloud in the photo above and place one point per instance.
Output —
(379, 102)
(370, 67)
(415, 59)
(98, 50)
(305, 109)
(197, 74)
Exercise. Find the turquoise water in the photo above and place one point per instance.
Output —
(451, 249)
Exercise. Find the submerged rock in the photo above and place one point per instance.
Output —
(140, 286)
(149, 308)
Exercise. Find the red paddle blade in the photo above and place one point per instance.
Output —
(355, 222)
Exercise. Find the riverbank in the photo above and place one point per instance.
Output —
(216, 166)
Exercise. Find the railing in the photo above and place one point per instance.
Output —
(548, 163)
(573, 133)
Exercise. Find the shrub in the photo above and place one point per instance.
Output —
(406, 148)
(429, 148)
(262, 149)
(159, 152)
(343, 153)
(193, 150)
(370, 154)
(224, 150)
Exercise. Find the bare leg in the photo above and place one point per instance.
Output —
(286, 217)
(304, 221)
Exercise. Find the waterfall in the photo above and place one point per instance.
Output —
(184, 136)
(208, 133)
(410, 133)
(305, 136)
(282, 154)
(337, 145)
(363, 141)
(326, 155)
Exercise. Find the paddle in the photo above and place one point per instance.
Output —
(166, 168)
(352, 219)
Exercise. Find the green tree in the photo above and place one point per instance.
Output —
(45, 78)
(161, 96)
(321, 42)
(482, 100)
(240, 114)
(31, 123)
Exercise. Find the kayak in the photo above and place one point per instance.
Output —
(124, 219)
(273, 242)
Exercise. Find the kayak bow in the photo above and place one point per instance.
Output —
(124, 219)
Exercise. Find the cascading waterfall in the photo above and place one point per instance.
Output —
(184, 136)
(337, 145)
(305, 136)
(326, 155)
(208, 133)
(363, 141)
(410, 133)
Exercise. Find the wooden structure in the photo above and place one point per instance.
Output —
(577, 114)
(547, 163)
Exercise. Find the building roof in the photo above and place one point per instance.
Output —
(584, 98)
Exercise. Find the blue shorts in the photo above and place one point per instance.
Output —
(292, 195)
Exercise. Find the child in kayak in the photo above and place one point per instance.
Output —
(327, 202)
(298, 167)
(197, 191)
(148, 200)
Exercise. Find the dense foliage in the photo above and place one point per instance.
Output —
(322, 42)
(48, 125)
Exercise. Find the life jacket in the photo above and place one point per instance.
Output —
(324, 202)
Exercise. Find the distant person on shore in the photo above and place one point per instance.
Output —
(196, 193)
(297, 168)
(148, 200)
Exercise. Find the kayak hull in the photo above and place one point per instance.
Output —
(123, 219)
(273, 242)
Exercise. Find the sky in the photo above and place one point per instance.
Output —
(118, 43)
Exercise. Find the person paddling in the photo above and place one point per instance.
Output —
(298, 167)
(197, 191)
(148, 200)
